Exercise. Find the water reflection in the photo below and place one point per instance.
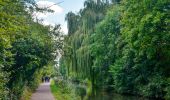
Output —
(102, 95)
(113, 96)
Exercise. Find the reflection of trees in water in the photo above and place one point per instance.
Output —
(81, 91)
(99, 94)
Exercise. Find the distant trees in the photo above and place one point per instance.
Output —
(127, 47)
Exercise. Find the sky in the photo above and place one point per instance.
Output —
(58, 17)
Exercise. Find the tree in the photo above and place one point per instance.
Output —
(26, 47)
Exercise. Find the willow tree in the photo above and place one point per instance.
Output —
(72, 22)
(77, 47)
(92, 13)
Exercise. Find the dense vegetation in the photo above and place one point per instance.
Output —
(127, 48)
(122, 45)
(63, 91)
(26, 48)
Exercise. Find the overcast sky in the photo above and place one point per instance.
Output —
(58, 17)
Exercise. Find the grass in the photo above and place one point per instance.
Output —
(60, 93)
(27, 94)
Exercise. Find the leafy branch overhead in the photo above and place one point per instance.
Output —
(26, 48)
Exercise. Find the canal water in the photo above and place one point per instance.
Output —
(103, 95)
(113, 96)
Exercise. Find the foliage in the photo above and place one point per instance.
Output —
(26, 47)
(126, 48)
(62, 90)
(77, 59)
(145, 46)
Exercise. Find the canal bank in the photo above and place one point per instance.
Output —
(68, 90)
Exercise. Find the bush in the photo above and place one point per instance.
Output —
(167, 96)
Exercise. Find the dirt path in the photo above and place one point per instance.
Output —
(43, 93)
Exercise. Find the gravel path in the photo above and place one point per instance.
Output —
(43, 93)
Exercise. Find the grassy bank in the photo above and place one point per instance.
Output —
(61, 91)
(26, 94)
